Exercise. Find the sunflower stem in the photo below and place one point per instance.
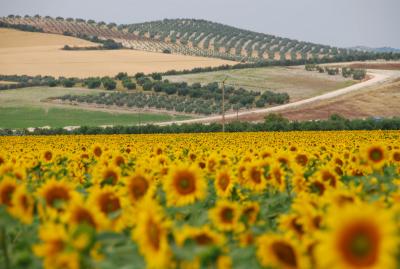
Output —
(3, 243)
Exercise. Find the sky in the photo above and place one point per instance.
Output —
(342, 23)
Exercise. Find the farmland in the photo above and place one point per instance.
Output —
(190, 37)
(23, 117)
(298, 83)
(184, 143)
(378, 101)
(217, 200)
(25, 108)
(42, 55)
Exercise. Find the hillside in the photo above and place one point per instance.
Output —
(379, 50)
(13, 39)
(28, 53)
(189, 37)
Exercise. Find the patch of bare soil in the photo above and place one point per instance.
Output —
(382, 66)
(382, 101)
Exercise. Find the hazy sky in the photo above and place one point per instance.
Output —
(332, 22)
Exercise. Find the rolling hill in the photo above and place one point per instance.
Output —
(33, 53)
(188, 37)
(379, 50)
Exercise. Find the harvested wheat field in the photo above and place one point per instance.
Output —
(27, 53)
(379, 101)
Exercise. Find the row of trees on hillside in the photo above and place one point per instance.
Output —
(108, 83)
(203, 38)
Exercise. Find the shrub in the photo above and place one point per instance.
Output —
(156, 76)
(68, 83)
(121, 75)
(139, 75)
(93, 83)
(346, 72)
(142, 80)
(52, 82)
(109, 84)
(127, 83)
(359, 74)
(147, 86)
(111, 44)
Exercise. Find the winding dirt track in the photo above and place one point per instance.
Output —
(377, 77)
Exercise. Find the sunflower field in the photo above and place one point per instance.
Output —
(240, 200)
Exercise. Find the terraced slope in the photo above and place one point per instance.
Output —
(226, 39)
(189, 37)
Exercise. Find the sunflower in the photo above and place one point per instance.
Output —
(138, 186)
(224, 262)
(358, 236)
(223, 183)
(2, 160)
(54, 240)
(250, 212)
(328, 176)
(302, 159)
(109, 204)
(396, 157)
(277, 176)
(107, 175)
(225, 216)
(278, 251)
(318, 186)
(299, 183)
(23, 205)
(305, 217)
(184, 185)
(254, 177)
(202, 236)
(82, 214)
(55, 248)
(47, 156)
(57, 194)
(246, 239)
(67, 260)
(212, 163)
(119, 160)
(375, 156)
(7, 188)
(97, 150)
(292, 223)
(341, 197)
(151, 235)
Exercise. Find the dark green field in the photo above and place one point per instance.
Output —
(24, 117)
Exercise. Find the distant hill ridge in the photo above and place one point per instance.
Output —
(192, 37)
(381, 49)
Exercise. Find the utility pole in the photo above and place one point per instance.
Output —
(140, 123)
(223, 104)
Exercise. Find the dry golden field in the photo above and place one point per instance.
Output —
(27, 53)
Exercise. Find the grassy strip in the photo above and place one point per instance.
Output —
(24, 117)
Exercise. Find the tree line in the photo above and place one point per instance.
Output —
(106, 44)
(271, 123)
(23, 81)
(271, 63)
(22, 27)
